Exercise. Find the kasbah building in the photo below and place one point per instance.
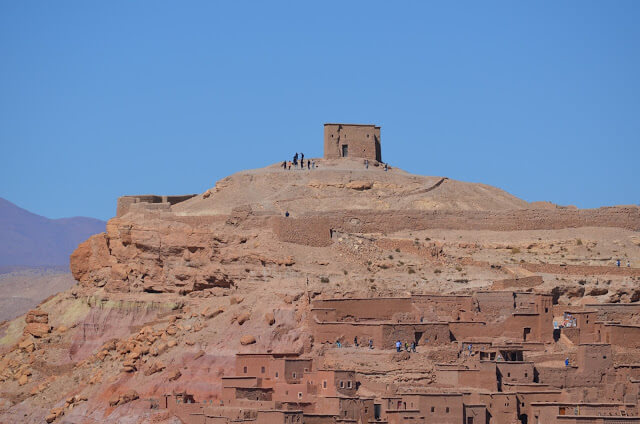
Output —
(504, 359)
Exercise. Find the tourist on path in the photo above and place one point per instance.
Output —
(398, 346)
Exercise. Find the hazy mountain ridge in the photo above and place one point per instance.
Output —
(27, 239)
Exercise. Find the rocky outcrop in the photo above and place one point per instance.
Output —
(122, 398)
(37, 324)
(155, 256)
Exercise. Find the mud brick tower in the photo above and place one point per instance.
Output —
(352, 140)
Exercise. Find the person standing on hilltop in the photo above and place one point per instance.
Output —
(302, 159)
(284, 165)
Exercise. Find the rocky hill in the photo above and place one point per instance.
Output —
(337, 185)
(171, 292)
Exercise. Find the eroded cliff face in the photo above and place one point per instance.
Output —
(155, 256)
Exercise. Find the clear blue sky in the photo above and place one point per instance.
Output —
(101, 99)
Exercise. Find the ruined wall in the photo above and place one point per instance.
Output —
(315, 230)
(431, 334)
(148, 201)
(623, 335)
(517, 283)
(380, 308)
(329, 332)
(363, 141)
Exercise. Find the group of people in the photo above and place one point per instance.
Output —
(366, 165)
(628, 263)
(298, 162)
(408, 347)
(355, 343)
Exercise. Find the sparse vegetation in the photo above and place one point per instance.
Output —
(515, 250)
(398, 249)
(458, 268)
(391, 257)
(437, 271)
(345, 272)
(411, 271)
(324, 279)
(579, 242)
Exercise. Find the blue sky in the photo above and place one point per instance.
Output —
(102, 99)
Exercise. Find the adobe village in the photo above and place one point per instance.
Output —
(338, 289)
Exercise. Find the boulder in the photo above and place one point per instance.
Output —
(54, 414)
(360, 185)
(210, 312)
(247, 340)
(233, 300)
(37, 316)
(270, 318)
(244, 317)
(174, 375)
(154, 368)
(37, 329)
(598, 291)
(123, 398)
(27, 345)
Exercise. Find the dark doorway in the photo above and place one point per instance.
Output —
(526, 332)
(376, 411)
(418, 337)
(345, 150)
(523, 419)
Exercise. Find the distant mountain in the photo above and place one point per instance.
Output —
(27, 239)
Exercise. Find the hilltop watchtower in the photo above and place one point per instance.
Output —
(352, 140)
